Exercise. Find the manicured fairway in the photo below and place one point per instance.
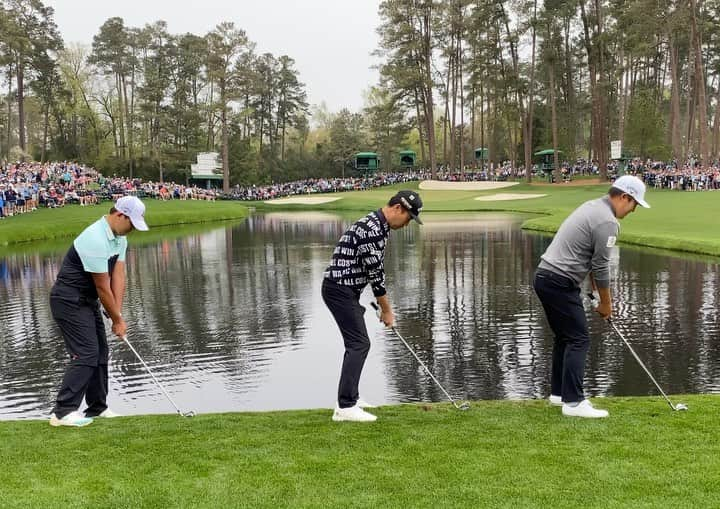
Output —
(46, 224)
(498, 454)
(682, 221)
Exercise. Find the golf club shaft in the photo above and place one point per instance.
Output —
(427, 370)
(424, 367)
(639, 361)
(124, 338)
(594, 302)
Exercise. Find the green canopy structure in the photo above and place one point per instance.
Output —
(481, 154)
(547, 163)
(407, 158)
(367, 161)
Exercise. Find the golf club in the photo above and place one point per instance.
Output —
(679, 406)
(184, 414)
(191, 413)
(462, 406)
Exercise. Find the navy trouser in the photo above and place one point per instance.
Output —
(86, 376)
(344, 304)
(560, 298)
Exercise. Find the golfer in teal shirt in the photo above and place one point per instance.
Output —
(92, 273)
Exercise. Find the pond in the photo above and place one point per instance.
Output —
(231, 319)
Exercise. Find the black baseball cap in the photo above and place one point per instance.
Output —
(411, 201)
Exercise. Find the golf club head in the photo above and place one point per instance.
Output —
(191, 413)
(680, 407)
(464, 406)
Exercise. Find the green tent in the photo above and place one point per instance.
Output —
(407, 158)
(367, 161)
(548, 161)
(481, 154)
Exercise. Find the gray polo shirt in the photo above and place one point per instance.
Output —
(583, 242)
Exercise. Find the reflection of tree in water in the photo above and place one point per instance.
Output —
(470, 313)
(237, 294)
(32, 352)
(667, 310)
(229, 300)
(473, 317)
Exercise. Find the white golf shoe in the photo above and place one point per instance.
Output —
(555, 400)
(584, 409)
(364, 404)
(74, 419)
(353, 413)
(109, 414)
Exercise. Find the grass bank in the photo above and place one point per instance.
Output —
(498, 454)
(678, 221)
(48, 224)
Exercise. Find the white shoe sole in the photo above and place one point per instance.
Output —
(600, 415)
(58, 423)
(338, 418)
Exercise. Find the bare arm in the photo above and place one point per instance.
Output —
(105, 293)
(386, 314)
(117, 283)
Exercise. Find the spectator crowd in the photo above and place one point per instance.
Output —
(24, 187)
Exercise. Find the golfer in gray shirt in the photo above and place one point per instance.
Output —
(581, 247)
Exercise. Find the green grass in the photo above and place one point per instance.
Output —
(499, 454)
(678, 221)
(47, 224)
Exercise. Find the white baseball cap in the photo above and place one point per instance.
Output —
(133, 208)
(633, 186)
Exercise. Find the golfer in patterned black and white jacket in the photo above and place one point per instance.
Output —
(356, 262)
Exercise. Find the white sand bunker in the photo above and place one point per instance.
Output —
(303, 200)
(508, 196)
(442, 185)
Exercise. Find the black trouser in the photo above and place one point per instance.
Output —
(83, 329)
(344, 304)
(560, 297)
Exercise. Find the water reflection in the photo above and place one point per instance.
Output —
(232, 319)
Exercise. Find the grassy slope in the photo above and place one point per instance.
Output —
(46, 224)
(677, 221)
(498, 454)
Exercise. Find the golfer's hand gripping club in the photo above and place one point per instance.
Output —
(605, 313)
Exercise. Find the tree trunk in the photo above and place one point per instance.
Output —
(130, 114)
(453, 123)
(211, 136)
(716, 127)
(483, 153)
(623, 96)
(225, 140)
(21, 105)
(461, 141)
(9, 112)
(675, 140)
(46, 114)
(553, 110)
(528, 135)
(428, 89)
(700, 87)
(420, 129)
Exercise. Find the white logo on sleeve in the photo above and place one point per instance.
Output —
(611, 241)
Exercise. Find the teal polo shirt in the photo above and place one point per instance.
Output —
(97, 244)
(95, 250)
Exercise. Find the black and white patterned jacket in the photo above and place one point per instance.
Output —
(359, 255)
